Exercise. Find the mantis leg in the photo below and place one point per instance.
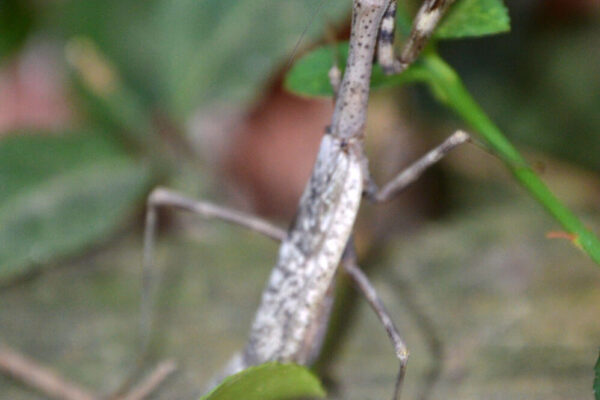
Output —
(392, 188)
(350, 265)
(425, 22)
(414, 171)
(162, 197)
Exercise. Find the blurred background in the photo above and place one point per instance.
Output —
(102, 100)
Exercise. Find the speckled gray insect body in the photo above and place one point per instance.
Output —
(290, 322)
(291, 318)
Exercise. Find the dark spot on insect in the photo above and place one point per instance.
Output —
(386, 37)
(344, 145)
(271, 289)
(286, 273)
(313, 193)
(436, 4)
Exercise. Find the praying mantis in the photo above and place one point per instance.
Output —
(292, 317)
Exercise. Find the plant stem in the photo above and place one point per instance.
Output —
(449, 89)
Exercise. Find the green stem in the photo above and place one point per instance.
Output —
(449, 89)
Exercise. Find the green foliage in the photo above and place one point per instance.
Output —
(157, 58)
(448, 88)
(597, 380)
(270, 381)
(469, 18)
(109, 100)
(60, 194)
(16, 19)
(465, 18)
(309, 78)
(134, 66)
(186, 54)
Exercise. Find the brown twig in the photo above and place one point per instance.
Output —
(40, 377)
(43, 379)
(152, 381)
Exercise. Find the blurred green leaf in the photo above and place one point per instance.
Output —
(309, 75)
(106, 96)
(270, 381)
(468, 18)
(446, 86)
(186, 54)
(16, 19)
(597, 380)
(60, 194)
(228, 49)
(29, 160)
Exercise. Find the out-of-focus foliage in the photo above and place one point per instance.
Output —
(61, 193)
(16, 20)
(131, 61)
(184, 54)
(448, 89)
(466, 18)
(541, 83)
(168, 59)
(107, 97)
(271, 381)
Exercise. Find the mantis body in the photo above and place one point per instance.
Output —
(292, 317)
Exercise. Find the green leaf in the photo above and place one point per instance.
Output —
(187, 54)
(270, 381)
(107, 98)
(597, 380)
(16, 20)
(60, 194)
(448, 88)
(468, 18)
(309, 75)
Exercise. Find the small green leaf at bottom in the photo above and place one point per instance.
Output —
(270, 381)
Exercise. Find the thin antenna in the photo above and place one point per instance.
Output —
(297, 46)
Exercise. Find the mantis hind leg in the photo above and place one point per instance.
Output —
(161, 197)
(166, 198)
(349, 263)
